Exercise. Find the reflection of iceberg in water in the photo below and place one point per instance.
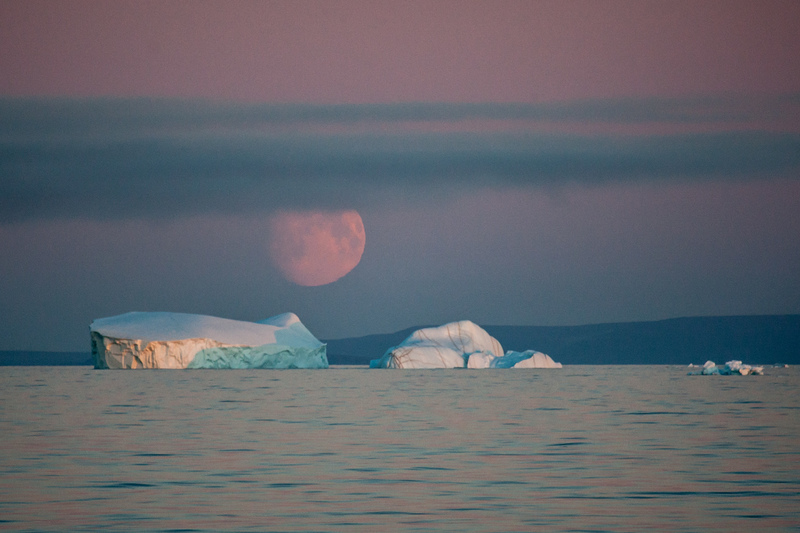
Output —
(458, 345)
(731, 367)
(179, 340)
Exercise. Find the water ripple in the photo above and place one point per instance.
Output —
(581, 449)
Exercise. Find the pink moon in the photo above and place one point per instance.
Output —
(313, 248)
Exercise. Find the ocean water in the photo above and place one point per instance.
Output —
(585, 448)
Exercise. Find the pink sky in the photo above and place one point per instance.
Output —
(373, 51)
(607, 202)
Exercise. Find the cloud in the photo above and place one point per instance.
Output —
(119, 158)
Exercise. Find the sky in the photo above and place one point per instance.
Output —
(514, 163)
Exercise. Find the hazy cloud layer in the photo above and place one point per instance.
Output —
(117, 158)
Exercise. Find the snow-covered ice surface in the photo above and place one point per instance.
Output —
(180, 340)
(458, 345)
(731, 367)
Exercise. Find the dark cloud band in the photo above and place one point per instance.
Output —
(131, 158)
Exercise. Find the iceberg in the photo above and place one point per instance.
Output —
(180, 340)
(447, 346)
(458, 345)
(710, 368)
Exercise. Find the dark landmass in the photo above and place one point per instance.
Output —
(23, 358)
(762, 339)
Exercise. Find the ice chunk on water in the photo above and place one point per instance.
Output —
(526, 359)
(731, 367)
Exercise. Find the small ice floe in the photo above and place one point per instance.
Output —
(710, 368)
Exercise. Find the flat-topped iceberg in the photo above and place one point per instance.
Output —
(458, 345)
(731, 367)
(180, 340)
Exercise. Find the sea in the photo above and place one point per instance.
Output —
(583, 448)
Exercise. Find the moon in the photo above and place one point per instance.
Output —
(313, 248)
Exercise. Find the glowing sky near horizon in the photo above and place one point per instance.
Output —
(514, 162)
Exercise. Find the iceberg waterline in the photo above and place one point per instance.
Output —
(182, 340)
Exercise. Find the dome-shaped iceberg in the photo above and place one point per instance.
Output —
(458, 345)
